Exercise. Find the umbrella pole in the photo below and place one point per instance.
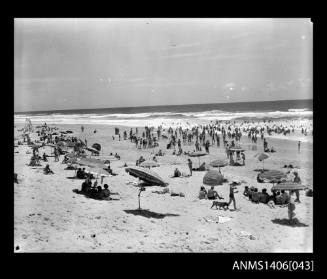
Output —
(139, 199)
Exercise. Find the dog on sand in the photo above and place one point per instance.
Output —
(220, 205)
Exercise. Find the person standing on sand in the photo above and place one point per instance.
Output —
(243, 158)
(297, 179)
(190, 165)
(82, 128)
(231, 195)
(291, 208)
(299, 146)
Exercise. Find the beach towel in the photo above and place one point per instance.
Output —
(218, 219)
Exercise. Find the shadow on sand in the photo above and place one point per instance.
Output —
(148, 214)
(285, 222)
(88, 196)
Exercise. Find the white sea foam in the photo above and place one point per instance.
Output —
(159, 118)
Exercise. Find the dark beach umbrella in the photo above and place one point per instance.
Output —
(218, 163)
(271, 176)
(289, 186)
(97, 146)
(198, 154)
(146, 175)
(213, 178)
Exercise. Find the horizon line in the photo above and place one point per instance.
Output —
(75, 109)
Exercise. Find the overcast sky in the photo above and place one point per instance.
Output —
(102, 63)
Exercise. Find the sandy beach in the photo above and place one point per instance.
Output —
(50, 217)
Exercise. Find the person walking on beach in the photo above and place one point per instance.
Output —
(190, 165)
(299, 146)
(82, 128)
(231, 195)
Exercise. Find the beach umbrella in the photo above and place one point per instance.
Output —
(150, 177)
(198, 154)
(262, 157)
(146, 175)
(69, 132)
(218, 163)
(289, 186)
(271, 176)
(93, 150)
(96, 146)
(149, 164)
(90, 162)
(98, 171)
(213, 178)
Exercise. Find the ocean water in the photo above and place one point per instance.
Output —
(184, 115)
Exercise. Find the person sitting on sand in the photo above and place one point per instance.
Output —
(85, 186)
(264, 196)
(246, 191)
(105, 191)
(47, 170)
(271, 202)
(99, 193)
(79, 173)
(203, 193)
(155, 159)
(117, 156)
(201, 168)
(212, 194)
(250, 192)
(177, 173)
(279, 199)
(255, 196)
(285, 197)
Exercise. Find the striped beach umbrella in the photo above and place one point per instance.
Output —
(289, 186)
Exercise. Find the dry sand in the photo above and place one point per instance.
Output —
(50, 217)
